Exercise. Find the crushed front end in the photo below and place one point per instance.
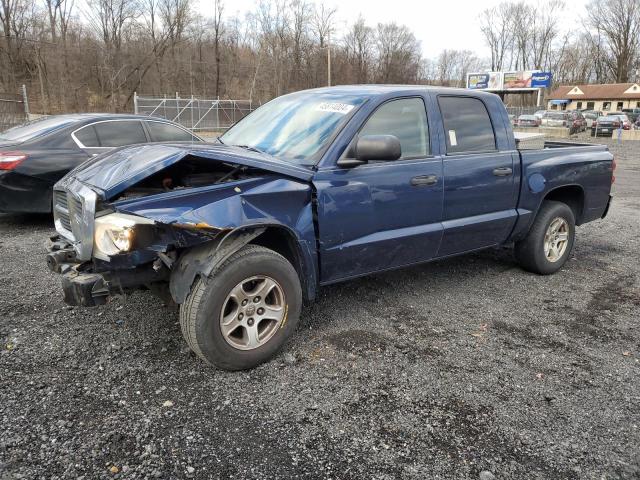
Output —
(101, 252)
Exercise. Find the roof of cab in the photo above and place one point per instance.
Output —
(374, 89)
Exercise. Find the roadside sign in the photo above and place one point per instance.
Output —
(503, 81)
(541, 79)
(485, 81)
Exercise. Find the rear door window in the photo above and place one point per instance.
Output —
(87, 136)
(165, 132)
(406, 119)
(467, 125)
(119, 133)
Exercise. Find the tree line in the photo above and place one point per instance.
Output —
(88, 55)
(600, 47)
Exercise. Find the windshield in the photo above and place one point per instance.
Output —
(36, 128)
(294, 127)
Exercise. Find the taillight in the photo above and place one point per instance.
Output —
(10, 160)
(614, 165)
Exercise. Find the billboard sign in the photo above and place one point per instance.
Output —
(517, 80)
(485, 81)
(541, 79)
(501, 81)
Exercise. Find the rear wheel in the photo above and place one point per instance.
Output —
(548, 244)
(241, 316)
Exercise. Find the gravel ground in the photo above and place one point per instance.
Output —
(466, 368)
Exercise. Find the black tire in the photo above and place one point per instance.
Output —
(200, 313)
(530, 252)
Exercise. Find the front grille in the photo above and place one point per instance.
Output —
(74, 206)
(61, 209)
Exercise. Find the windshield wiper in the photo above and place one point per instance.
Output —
(250, 148)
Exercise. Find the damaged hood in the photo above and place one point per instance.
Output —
(114, 172)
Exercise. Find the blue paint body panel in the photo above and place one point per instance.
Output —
(349, 222)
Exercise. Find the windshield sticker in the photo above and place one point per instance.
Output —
(452, 138)
(342, 108)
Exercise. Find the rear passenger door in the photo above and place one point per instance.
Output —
(480, 195)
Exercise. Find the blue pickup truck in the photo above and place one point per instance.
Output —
(313, 188)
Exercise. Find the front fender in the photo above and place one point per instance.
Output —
(201, 260)
(240, 212)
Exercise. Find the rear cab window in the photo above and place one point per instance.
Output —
(467, 125)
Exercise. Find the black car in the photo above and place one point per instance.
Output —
(37, 154)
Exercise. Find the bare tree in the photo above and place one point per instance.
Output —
(112, 18)
(496, 25)
(218, 29)
(398, 54)
(619, 23)
(359, 48)
(544, 31)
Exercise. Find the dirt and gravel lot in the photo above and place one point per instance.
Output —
(467, 368)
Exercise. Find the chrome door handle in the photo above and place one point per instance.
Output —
(502, 172)
(424, 180)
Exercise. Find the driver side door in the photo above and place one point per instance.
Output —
(383, 214)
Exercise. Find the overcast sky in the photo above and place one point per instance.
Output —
(437, 24)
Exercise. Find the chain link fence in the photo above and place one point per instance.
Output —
(197, 114)
(14, 109)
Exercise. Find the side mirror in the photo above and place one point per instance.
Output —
(373, 147)
(378, 147)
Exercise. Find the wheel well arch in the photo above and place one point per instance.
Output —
(571, 195)
(203, 259)
(283, 241)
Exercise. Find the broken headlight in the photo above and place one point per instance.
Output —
(115, 233)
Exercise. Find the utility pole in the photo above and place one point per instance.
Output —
(329, 57)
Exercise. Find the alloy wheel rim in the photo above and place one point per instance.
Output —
(253, 312)
(556, 239)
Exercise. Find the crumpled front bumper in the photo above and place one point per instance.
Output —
(83, 286)
(85, 289)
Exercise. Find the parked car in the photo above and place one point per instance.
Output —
(555, 119)
(569, 119)
(540, 114)
(606, 125)
(528, 121)
(591, 116)
(314, 188)
(624, 120)
(632, 113)
(37, 154)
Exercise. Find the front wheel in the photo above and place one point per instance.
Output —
(244, 312)
(548, 244)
